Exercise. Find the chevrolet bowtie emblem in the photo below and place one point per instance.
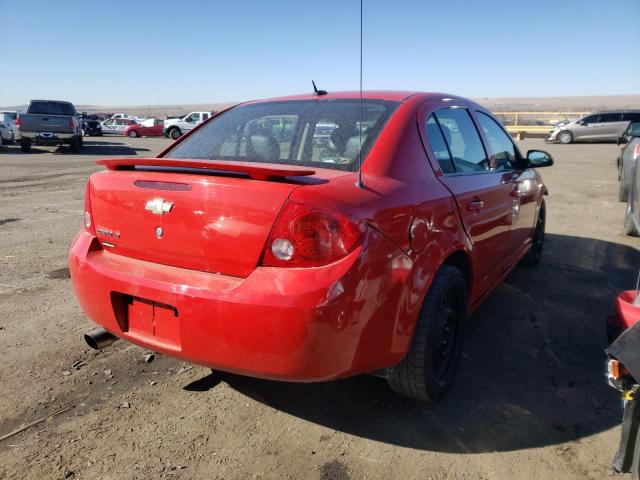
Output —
(158, 206)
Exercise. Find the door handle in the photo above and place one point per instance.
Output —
(475, 205)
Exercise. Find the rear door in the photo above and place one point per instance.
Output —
(612, 125)
(482, 195)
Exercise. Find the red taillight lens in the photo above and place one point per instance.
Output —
(72, 124)
(305, 236)
(636, 151)
(87, 220)
(18, 121)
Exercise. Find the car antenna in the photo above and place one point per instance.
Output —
(359, 183)
(316, 91)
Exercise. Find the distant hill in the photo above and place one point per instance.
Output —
(506, 104)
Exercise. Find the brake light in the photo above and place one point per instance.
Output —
(18, 121)
(636, 151)
(88, 217)
(72, 123)
(306, 236)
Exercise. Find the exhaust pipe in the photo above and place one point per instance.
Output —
(99, 338)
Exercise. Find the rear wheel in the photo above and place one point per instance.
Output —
(534, 255)
(74, 145)
(429, 368)
(132, 134)
(25, 145)
(629, 225)
(565, 137)
(175, 133)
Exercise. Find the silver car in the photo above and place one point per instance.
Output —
(629, 154)
(596, 127)
(632, 217)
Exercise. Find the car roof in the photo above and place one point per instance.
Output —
(392, 95)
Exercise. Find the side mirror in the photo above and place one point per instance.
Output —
(622, 140)
(539, 159)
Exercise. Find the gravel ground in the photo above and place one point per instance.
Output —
(530, 402)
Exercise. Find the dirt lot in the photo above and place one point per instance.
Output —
(530, 402)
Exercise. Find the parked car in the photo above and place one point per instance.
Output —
(623, 374)
(91, 126)
(50, 122)
(8, 130)
(12, 113)
(116, 126)
(176, 127)
(123, 116)
(629, 153)
(287, 260)
(151, 127)
(632, 214)
(596, 127)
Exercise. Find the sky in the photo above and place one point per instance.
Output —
(147, 52)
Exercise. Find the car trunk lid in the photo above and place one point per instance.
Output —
(200, 215)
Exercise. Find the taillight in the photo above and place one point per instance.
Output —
(72, 124)
(636, 151)
(305, 236)
(87, 220)
(18, 121)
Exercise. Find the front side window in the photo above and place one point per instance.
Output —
(631, 116)
(463, 140)
(502, 148)
(325, 133)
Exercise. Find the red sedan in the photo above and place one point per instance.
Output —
(152, 127)
(313, 237)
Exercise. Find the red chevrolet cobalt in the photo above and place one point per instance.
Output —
(313, 237)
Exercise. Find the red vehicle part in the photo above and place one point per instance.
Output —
(184, 261)
(626, 314)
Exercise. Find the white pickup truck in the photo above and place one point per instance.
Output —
(176, 127)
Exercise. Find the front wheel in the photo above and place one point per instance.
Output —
(565, 137)
(534, 255)
(25, 145)
(629, 225)
(132, 134)
(623, 194)
(429, 368)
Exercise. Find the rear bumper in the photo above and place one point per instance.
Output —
(311, 324)
(54, 138)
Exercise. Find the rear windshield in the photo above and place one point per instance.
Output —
(322, 133)
(51, 108)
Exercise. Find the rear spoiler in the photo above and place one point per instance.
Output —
(257, 171)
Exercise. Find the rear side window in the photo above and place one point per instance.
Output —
(51, 108)
(631, 116)
(439, 145)
(463, 140)
(326, 133)
(500, 143)
(611, 117)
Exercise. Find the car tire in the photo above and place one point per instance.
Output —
(132, 134)
(74, 145)
(534, 256)
(429, 368)
(630, 227)
(25, 145)
(175, 133)
(623, 194)
(565, 137)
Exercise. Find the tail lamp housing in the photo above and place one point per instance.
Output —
(306, 236)
(87, 220)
